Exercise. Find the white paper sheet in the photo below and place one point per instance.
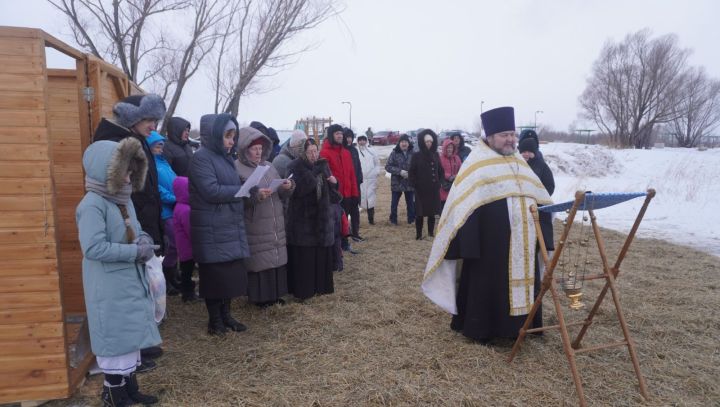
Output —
(275, 184)
(252, 181)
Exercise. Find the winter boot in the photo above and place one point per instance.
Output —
(228, 320)
(215, 321)
(371, 216)
(114, 393)
(133, 390)
(418, 228)
(431, 226)
(187, 285)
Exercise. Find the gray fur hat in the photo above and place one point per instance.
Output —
(129, 111)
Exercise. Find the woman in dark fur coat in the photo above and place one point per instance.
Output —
(425, 175)
(310, 229)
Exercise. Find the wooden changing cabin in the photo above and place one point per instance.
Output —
(47, 117)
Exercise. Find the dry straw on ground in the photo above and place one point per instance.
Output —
(379, 341)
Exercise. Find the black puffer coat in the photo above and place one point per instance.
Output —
(541, 169)
(217, 228)
(310, 213)
(425, 175)
(178, 151)
(146, 201)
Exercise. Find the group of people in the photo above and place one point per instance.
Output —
(149, 194)
(424, 177)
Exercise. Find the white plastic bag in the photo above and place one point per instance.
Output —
(156, 278)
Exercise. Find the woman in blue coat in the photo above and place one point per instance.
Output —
(120, 310)
(217, 226)
(166, 176)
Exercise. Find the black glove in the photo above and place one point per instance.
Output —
(145, 252)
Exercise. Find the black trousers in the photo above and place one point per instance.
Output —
(419, 225)
(351, 206)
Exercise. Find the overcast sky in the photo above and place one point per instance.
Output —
(419, 63)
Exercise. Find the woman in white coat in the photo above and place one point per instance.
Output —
(371, 168)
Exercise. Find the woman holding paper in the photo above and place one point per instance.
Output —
(264, 219)
(217, 229)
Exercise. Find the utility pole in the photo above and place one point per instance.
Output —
(349, 104)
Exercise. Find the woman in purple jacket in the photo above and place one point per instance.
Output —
(181, 222)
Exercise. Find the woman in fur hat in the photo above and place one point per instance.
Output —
(311, 225)
(115, 249)
(264, 221)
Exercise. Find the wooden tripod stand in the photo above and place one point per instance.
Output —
(609, 274)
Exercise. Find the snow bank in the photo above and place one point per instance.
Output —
(685, 209)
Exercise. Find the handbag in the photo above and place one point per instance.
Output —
(156, 279)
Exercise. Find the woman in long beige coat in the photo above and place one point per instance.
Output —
(264, 221)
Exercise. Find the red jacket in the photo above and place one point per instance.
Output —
(341, 166)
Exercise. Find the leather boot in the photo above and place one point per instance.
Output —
(431, 226)
(228, 320)
(187, 285)
(215, 321)
(371, 216)
(418, 228)
(133, 390)
(115, 396)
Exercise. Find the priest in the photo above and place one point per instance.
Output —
(482, 265)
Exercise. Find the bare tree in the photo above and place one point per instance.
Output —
(117, 30)
(184, 62)
(120, 31)
(633, 87)
(252, 44)
(698, 112)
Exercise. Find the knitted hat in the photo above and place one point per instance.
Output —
(498, 120)
(131, 110)
(257, 142)
(528, 144)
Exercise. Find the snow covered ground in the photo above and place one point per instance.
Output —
(684, 211)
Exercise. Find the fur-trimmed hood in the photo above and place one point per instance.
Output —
(421, 141)
(332, 129)
(348, 133)
(246, 136)
(108, 162)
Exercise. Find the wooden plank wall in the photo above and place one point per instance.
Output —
(33, 361)
(66, 157)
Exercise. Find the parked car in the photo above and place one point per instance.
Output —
(449, 133)
(384, 138)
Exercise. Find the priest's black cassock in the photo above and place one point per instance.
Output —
(483, 292)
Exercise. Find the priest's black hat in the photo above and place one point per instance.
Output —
(498, 120)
